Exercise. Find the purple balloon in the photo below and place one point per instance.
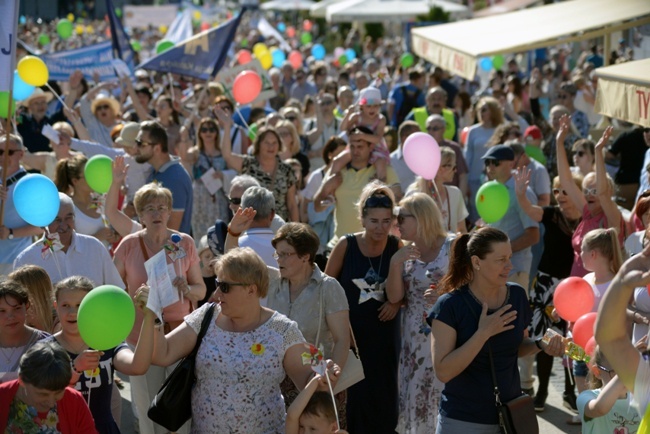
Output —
(422, 155)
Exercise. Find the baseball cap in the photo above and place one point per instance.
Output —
(533, 132)
(499, 153)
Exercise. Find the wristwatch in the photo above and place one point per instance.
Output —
(538, 343)
(11, 234)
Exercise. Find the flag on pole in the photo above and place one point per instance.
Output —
(267, 30)
(120, 40)
(8, 36)
(181, 28)
(201, 56)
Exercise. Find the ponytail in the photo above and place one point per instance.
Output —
(68, 169)
(460, 266)
(605, 241)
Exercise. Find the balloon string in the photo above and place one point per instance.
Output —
(57, 95)
(56, 260)
(89, 390)
(329, 384)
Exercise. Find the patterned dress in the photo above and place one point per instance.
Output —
(278, 183)
(239, 374)
(207, 207)
(419, 389)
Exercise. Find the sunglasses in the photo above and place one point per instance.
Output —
(402, 217)
(435, 128)
(495, 163)
(604, 369)
(141, 143)
(235, 200)
(558, 191)
(11, 152)
(379, 201)
(290, 118)
(224, 287)
(589, 191)
(103, 107)
(208, 130)
(580, 153)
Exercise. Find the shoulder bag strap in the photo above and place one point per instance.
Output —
(143, 247)
(492, 370)
(205, 324)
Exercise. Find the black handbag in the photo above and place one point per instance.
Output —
(172, 405)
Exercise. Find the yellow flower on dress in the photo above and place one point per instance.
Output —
(51, 420)
(257, 349)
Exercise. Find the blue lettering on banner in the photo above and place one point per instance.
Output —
(91, 59)
(7, 51)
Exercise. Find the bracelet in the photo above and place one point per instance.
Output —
(73, 367)
(233, 234)
(538, 343)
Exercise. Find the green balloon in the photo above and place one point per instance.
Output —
(163, 46)
(43, 39)
(64, 28)
(252, 132)
(536, 154)
(244, 43)
(4, 105)
(137, 47)
(492, 201)
(99, 173)
(407, 60)
(105, 318)
(118, 12)
(498, 61)
(305, 38)
(343, 59)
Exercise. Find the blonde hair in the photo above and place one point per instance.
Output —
(246, 266)
(605, 241)
(39, 289)
(150, 192)
(374, 188)
(428, 216)
(610, 181)
(295, 138)
(496, 114)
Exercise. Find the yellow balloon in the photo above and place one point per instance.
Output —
(90, 30)
(197, 15)
(70, 17)
(162, 28)
(266, 60)
(79, 29)
(33, 71)
(259, 49)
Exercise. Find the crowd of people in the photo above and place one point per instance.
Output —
(300, 217)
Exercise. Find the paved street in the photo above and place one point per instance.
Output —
(551, 421)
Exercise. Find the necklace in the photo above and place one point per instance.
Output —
(10, 356)
(481, 303)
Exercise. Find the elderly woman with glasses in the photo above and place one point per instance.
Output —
(301, 291)
(153, 204)
(360, 262)
(245, 354)
(205, 157)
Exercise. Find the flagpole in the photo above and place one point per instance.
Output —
(5, 158)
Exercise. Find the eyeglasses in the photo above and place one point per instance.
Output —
(151, 209)
(326, 103)
(235, 200)
(379, 201)
(604, 369)
(224, 287)
(283, 255)
(103, 107)
(558, 191)
(402, 217)
(69, 219)
(563, 96)
(580, 154)
(11, 152)
(225, 108)
(141, 143)
(208, 130)
(290, 118)
(435, 128)
(589, 191)
(495, 163)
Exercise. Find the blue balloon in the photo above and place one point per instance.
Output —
(318, 51)
(22, 19)
(282, 27)
(36, 200)
(22, 90)
(486, 64)
(350, 54)
(278, 57)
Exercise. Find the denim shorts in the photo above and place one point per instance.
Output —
(453, 426)
(580, 369)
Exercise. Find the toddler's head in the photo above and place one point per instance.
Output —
(319, 416)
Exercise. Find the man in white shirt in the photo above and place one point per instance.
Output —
(64, 253)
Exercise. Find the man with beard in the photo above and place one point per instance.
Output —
(151, 147)
(436, 101)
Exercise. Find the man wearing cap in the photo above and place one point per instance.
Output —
(301, 88)
(15, 233)
(522, 230)
(435, 105)
(31, 124)
(533, 136)
(346, 186)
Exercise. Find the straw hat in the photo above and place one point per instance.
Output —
(105, 99)
(38, 93)
(128, 134)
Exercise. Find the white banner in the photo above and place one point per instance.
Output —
(181, 28)
(143, 16)
(8, 21)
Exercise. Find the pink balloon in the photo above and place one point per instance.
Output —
(422, 155)
(295, 58)
(339, 51)
(583, 329)
(246, 87)
(573, 298)
(244, 56)
(291, 31)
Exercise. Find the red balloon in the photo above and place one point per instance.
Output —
(246, 87)
(291, 31)
(295, 58)
(583, 329)
(463, 136)
(307, 25)
(590, 347)
(205, 26)
(573, 298)
(244, 56)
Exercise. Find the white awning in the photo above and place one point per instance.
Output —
(505, 6)
(319, 10)
(457, 46)
(624, 91)
(387, 10)
(287, 5)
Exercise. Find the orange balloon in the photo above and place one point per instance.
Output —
(291, 32)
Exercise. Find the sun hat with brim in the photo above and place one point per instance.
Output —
(38, 93)
(128, 135)
(104, 99)
(370, 96)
